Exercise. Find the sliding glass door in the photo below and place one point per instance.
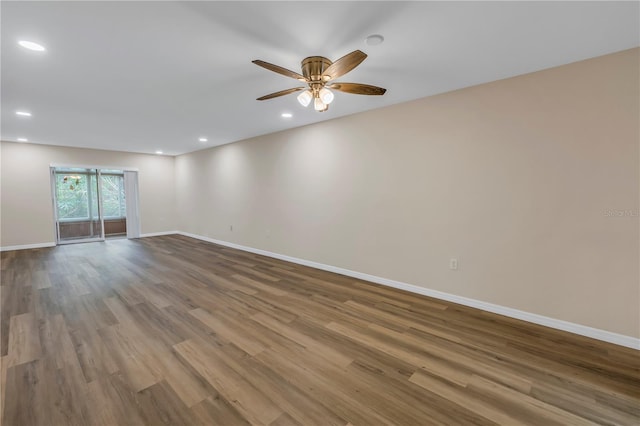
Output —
(78, 205)
(91, 204)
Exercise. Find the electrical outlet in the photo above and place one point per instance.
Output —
(453, 264)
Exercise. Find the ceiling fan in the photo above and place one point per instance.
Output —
(319, 72)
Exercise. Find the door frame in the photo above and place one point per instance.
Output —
(56, 224)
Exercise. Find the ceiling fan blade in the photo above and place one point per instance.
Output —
(280, 70)
(344, 65)
(357, 88)
(280, 93)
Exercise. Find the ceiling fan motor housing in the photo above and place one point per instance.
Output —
(314, 66)
(312, 69)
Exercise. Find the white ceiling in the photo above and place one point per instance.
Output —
(147, 76)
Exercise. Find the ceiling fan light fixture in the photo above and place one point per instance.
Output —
(326, 95)
(305, 98)
(318, 71)
(318, 105)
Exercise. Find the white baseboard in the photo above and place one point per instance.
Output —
(28, 246)
(583, 330)
(157, 234)
(53, 244)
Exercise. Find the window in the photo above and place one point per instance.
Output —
(77, 199)
(113, 199)
(74, 195)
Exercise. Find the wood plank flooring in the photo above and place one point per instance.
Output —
(172, 330)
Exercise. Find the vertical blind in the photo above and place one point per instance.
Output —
(133, 213)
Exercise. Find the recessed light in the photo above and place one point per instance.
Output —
(23, 113)
(286, 115)
(374, 40)
(203, 139)
(31, 45)
(23, 140)
(159, 152)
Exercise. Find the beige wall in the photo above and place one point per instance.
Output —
(514, 178)
(27, 211)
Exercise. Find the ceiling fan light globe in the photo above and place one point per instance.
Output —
(326, 95)
(318, 105)
(305, 98)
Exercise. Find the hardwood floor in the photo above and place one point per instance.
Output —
(171, 330)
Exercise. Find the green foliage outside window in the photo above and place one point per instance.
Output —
(76, 191)
(113, 200)
(72, 196)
